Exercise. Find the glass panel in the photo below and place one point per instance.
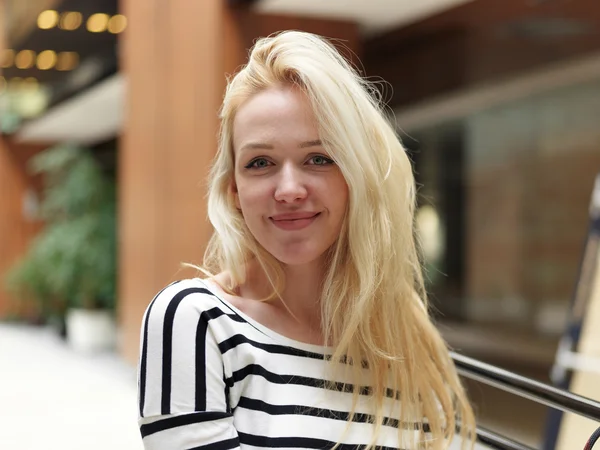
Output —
(525, 179)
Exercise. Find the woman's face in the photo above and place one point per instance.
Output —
(292, 195)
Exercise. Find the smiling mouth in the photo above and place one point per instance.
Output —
(290, 222)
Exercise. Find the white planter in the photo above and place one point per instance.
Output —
(91, 331)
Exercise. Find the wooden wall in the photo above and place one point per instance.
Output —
(480, 41)
(170, 51)
(16, 229)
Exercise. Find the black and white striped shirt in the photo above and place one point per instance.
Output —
(212, 378)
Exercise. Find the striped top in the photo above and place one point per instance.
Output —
(212, 378)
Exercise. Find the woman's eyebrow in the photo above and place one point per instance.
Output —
(256, 146)
(265, 146)
(314, 143)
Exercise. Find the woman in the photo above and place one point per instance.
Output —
(314, 331)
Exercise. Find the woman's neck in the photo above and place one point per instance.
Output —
(301, 294)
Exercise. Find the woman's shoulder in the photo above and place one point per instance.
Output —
(192, 296)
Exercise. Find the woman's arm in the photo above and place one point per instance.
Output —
(182, 393)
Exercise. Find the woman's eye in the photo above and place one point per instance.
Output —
(258, 163)
(320, 160)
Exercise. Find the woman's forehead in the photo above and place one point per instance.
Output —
(274, 116)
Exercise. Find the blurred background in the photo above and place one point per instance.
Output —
(108, 121)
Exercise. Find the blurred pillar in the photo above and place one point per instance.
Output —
(18, 222)
(12, 188)
(175, 56)
(18, 190)
(10, 194)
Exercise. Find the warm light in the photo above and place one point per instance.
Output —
(117, 24)
(46, 60)
(8, 58)
(70, 21)
(25, 59)
(67, 61)
(97, 23)
(31, 83)
(431, 232)
(47, 19)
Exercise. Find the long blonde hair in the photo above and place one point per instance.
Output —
(374, 304)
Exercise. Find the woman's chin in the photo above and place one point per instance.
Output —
(298, 258)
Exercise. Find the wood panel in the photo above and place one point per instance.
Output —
(251, 25)
(16, 230)
(480, 41)
(12, 225)
(169, 60)
(175, 56)
(422, 67)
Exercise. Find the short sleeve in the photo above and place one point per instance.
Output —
(182, 393)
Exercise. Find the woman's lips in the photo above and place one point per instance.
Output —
(294, 221)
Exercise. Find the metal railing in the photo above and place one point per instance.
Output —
(523, 387)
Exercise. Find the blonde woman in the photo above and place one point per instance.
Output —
(313, 331)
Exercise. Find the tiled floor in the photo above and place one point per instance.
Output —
(52, 398)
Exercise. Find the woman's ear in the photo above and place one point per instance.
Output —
(236, 197)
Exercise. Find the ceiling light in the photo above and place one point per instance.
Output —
(117, 24)
(70, 20)
(8, 58)
(67, 61)
(97, 23)
(25, 59)
(46, 60)
(47, 19)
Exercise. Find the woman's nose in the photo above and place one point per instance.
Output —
(290, 185)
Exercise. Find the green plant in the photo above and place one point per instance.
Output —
(72, 262)
(26, 281)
